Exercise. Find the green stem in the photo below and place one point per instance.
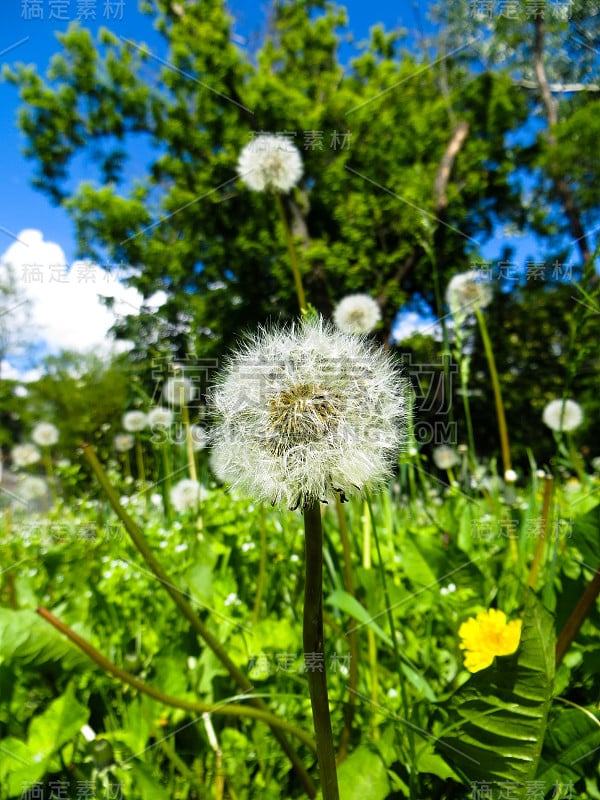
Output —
(140, 461)
(189, 442)
(371, 644)
(313, 645)
(502, 430)
(293, 257)
(401, 678)
(187, 611)
(578, 615)
(47, 458)
(262, 566)
(540, 545)
(167, 699)
(352, 636)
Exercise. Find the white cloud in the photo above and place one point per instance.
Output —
(409, 322)
(65, 310)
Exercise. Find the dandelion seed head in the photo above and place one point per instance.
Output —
(31, 488)
(306, 413)
(123, 442)
(445, 457)
(270, 162)
(160, 417)
(186, 495)
(45, 434)
(178, 391)
(563, 415)
(134, 421)
(466, 293)
(357, 313)
(24, 455)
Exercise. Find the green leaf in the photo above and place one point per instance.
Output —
(345, 602)
(497, 719)
(25, 637)
(363, 775)
(571, 744)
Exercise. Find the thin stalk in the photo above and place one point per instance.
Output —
(371, 644)
(293, 257)
(169, 700)
(573, 624)
(464, 367)
(502, 429)
(540, 545)
(262, 565)
(188, 613)
(350, 707)
(189, 443)
(312, 638)
(47, 459)
(401, 678)
(139, 455)
(166, 479)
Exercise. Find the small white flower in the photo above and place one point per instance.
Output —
(186, 495)
(23, 455)
(124, 442)
(468, 292)
(45, 434)
(357, 313)
(160, 417)
(563, 415)
(308, 413)
(445, 457)
(135, 421)
(178, 391)
(199, 438)
(270, 162)
(510, 476)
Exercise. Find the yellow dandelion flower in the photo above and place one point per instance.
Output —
(488, 635)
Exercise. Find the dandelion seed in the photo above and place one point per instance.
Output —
(45, 434)
(135, 421)
(270, 162)
(24, 455)
(445, 457)
(308, 413)
(357, 313)
(486, 636)
(467, 293)
(124, 442)
(160, 417)
(563, 415)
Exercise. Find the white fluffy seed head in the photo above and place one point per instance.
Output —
(178, 391)
(160, 417)
(357, 313)
(124, 442)
(306, 413)
(186, 495)
(135, 421)
(199, 438)
(563, 415)
(31, 488)
(270, 162)
(445, 457)
(24, 455)
(467, 292)
(45, 434)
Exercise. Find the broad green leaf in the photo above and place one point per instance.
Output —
(26, 637)
(345, 602)
(363, 775)
(497, 719)
(18, 771)
(146, 785)
(571, 744)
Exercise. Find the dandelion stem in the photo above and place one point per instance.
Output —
(542, 533)
(293, 256)
(400, 672)
(314, 651)
(188, 612)
(169, 700)
(350, 707)
(189, 442)
(371, 645)
(496, 387)
(262, 565)
(573, 624)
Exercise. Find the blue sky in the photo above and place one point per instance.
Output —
(29, 35)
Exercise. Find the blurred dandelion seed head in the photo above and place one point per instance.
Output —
(563, 415)
(467, 293)
(270, 162)
(45, 434)
(357, 313)
(135, 421)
